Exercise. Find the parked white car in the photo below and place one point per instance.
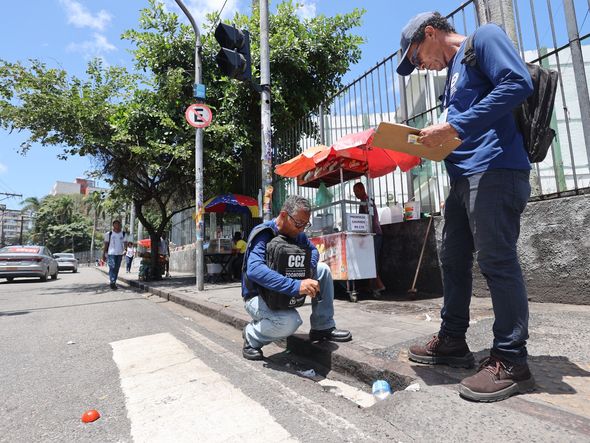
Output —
(66, 261)
(27, 261)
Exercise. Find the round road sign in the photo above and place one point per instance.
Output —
(199, 115)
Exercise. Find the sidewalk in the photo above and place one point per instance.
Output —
(383, 329)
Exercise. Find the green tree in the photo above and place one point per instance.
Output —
(60, 225)
(133, 124)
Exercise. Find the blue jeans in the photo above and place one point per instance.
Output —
(482, 215)
(268, 325)
(128, 261)
(114, 262)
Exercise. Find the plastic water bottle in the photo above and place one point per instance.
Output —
(381, 389)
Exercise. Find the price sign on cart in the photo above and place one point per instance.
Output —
(198, 115)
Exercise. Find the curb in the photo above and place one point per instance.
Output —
(331, 355)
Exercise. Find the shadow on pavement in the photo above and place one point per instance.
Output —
(549, 372)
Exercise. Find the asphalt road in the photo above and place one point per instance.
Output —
(159, 372)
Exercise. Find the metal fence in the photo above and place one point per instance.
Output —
(546, 32)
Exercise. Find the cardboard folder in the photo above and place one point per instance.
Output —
(394, 136)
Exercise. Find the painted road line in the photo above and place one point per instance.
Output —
(171, 395)
(306, 409)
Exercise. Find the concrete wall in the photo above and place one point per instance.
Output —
(399, 256)
(183, 260)
(554, 251)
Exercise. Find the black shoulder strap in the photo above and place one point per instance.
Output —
(257, 230)
(469, 57)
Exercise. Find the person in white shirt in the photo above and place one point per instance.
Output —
(114, 248)
(129, 254)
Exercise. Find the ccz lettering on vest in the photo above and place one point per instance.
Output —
(295, 266)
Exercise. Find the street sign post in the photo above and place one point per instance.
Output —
(199, 115)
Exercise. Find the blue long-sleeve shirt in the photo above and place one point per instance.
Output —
(480, 100)
(258, 272)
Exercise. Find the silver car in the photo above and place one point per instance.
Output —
(27, 261)
(66, 261)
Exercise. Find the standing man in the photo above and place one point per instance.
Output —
(490, 188)
(114, 248)
(269, 325)
(361, 194)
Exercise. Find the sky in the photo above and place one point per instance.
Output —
(69, 33)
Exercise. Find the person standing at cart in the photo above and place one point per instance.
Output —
(359, 192)
(489, 174)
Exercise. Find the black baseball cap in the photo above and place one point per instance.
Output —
(406, 67)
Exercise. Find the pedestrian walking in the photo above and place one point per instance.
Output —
(129, 254)
(489, 174)
(113, 251)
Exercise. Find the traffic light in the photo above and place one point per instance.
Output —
(234, 56)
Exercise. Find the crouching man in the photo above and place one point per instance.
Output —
(264, 282)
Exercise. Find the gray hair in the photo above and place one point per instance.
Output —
(295, 203)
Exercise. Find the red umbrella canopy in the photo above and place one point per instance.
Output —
(232, 203)
(355, 146)
(380, 161)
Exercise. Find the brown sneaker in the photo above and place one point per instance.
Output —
(443, 351)
(497, 379)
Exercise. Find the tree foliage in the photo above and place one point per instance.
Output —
(60, 225)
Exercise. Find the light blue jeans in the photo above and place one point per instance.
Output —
(482, 215)
(114, 262)
(268, 325)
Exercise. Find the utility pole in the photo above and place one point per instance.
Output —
(266, 132)
(200, 223)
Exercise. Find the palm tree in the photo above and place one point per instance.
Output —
(31, 206)
(96, 201)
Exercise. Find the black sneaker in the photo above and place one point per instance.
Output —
(114, 286)
(331, 334)
(497, 379)
(443, 350)
(249, 352)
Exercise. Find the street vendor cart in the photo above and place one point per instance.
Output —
(344, 239)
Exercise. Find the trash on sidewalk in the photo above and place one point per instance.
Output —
(428, 317)
(90, 416)
(310, 373)
(71, 342)
(472, 322)
(414, 387)
(381, 389)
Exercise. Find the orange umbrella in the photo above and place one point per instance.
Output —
(300, 163)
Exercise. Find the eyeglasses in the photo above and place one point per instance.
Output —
(415, 58)
(299, 224)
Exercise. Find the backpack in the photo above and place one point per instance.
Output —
(286, 257)
(533, 116)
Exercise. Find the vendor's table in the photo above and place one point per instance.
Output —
(222, 259)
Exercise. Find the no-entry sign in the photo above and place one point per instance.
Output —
(198, 115)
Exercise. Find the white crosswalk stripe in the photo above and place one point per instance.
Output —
(306, 409)
(172, 396)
